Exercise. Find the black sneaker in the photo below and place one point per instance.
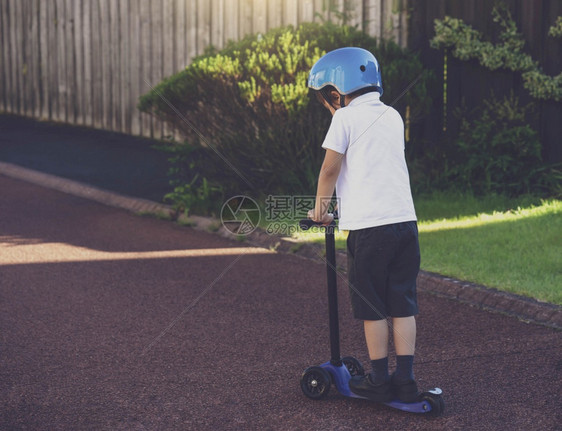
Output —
(364, 387)
(406, 392)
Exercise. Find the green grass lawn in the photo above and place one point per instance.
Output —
(518, 250)
(514, 245)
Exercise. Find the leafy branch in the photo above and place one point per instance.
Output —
(556, 29)
(467, 43)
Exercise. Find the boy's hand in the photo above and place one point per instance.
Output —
(324, 219)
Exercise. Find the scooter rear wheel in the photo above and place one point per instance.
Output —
(315, 383)
(436, 402)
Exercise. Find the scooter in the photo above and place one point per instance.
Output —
(317, 380)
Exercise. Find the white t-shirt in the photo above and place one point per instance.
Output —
(373, 186)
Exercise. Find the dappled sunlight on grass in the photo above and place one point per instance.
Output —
(489, 218)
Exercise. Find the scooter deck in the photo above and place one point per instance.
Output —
(341, 376)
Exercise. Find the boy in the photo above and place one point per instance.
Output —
(365, 163)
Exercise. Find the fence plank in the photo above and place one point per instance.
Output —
(387, 23)
(180, 35)
(291, 12)
(116, 82)
(26, 59)
(71, 71)
(157, 58)
(78, 48)
(15, 53)
(7, 56)
(246, 17)
(307, 11)
(3, 47)
(70, 62)
(36, 65)
(43, 62)
(19, 57)
(97, 65)
(203, 25)
(61, 113)
(168, 39)
(259, 19)
(124, 65)
(217, 23)
(232, 22)
(11, 28)
(191, 23)
(87, 83)
(168, 49)
(274, 13)
(134, 54)
(53, 81)
(147, 61)
(106, 61)
(356, 13)
(373, 16)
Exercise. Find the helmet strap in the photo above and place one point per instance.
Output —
(326, 95)
(328, 98)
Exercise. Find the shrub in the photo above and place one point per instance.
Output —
(191, 192)
(246, 113)
(498, 152)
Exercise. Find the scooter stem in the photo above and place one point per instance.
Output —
(333, 296)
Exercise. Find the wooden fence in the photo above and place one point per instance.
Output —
(86, 62)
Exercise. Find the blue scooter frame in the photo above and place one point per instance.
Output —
(316, 380)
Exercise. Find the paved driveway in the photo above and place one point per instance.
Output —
(110, 321)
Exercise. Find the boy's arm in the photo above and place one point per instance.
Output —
(326, 184)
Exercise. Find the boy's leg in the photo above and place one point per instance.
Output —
(376, 336)
(375, 385)
(404, 331)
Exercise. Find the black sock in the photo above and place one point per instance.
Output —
(404, 369)
(379, 374)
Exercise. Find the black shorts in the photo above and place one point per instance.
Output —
(383, 264)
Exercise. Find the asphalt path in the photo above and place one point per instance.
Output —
(112, 321)
(118, 162)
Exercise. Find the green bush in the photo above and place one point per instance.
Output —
(191, 192)
(257, 128)
(497, 151)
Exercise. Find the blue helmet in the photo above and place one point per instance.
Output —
(346, 69)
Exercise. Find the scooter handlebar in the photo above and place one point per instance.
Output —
(307, 223)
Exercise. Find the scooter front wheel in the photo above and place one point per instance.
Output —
(315, 383)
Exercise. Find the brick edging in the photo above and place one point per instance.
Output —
(486, 298)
